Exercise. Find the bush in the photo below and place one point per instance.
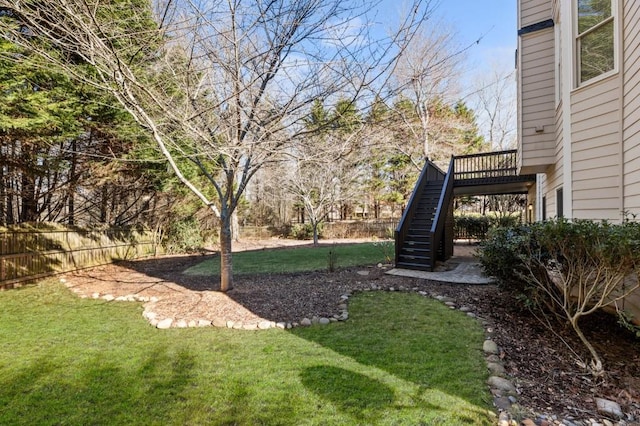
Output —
(477, 226)
(501, 254)
(566, 269)
(304, 231)
(183, 236)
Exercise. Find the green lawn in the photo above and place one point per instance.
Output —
(297, 259)
(400, 359)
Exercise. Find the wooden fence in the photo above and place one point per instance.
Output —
(331, 230)
(30, 254)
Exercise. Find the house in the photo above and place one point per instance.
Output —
(579, 109)
(578, 67)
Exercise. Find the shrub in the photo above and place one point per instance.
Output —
(567, 269)
(304, 231)
(501, 254)
(478, 226)
(183, 236)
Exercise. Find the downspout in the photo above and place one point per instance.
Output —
(620, 52)
(567, 80)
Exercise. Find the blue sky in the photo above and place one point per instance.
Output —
(496, 19)
(493, 20)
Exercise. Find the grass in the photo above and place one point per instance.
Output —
(400, 359)
(296, 259)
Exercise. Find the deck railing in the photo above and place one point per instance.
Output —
(486, 166)
(438, 226)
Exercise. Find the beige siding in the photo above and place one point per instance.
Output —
(537, 101)
(631, 115)
(595, 151)
(554, 174)
(534, 11)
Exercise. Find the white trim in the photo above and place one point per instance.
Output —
(615, 13)
(620, 62)
(539, 195)
(568, 75)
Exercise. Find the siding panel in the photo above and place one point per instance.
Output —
(595, 150)
(534, 11)
(537, 94)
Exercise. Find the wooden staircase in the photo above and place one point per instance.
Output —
(420, 234)
(416, 251)
(425, 231)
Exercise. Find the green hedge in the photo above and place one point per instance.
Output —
(476, 227)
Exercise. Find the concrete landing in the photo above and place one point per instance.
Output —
(462, 268)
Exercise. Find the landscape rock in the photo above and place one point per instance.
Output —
(181, 324)
(324, 321)
(264, 325)
(496, 369)
(165, 323)
(608, 407)
(305, 322)
(502, 403)
(108, 297)
(219, 322)
(490, 347)
(204, 323)
(501, 384)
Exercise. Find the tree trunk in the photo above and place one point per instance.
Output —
(235, 227)
(314, 224)
(72, 187)
(226, 263)
(596, 368)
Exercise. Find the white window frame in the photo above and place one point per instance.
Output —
(576, 44)
(557, 29)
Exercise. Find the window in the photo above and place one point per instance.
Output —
(595, 39)
(559, 203)
(544, 207)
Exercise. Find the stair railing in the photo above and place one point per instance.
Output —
(437, 227)
(430, 172)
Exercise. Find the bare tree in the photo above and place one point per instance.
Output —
(221, 85)
(494, 100)
(427, 71)
(325, 169)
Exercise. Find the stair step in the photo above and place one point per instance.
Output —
(415, 236)
(417, 254)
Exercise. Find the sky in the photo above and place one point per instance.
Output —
(492, 21)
